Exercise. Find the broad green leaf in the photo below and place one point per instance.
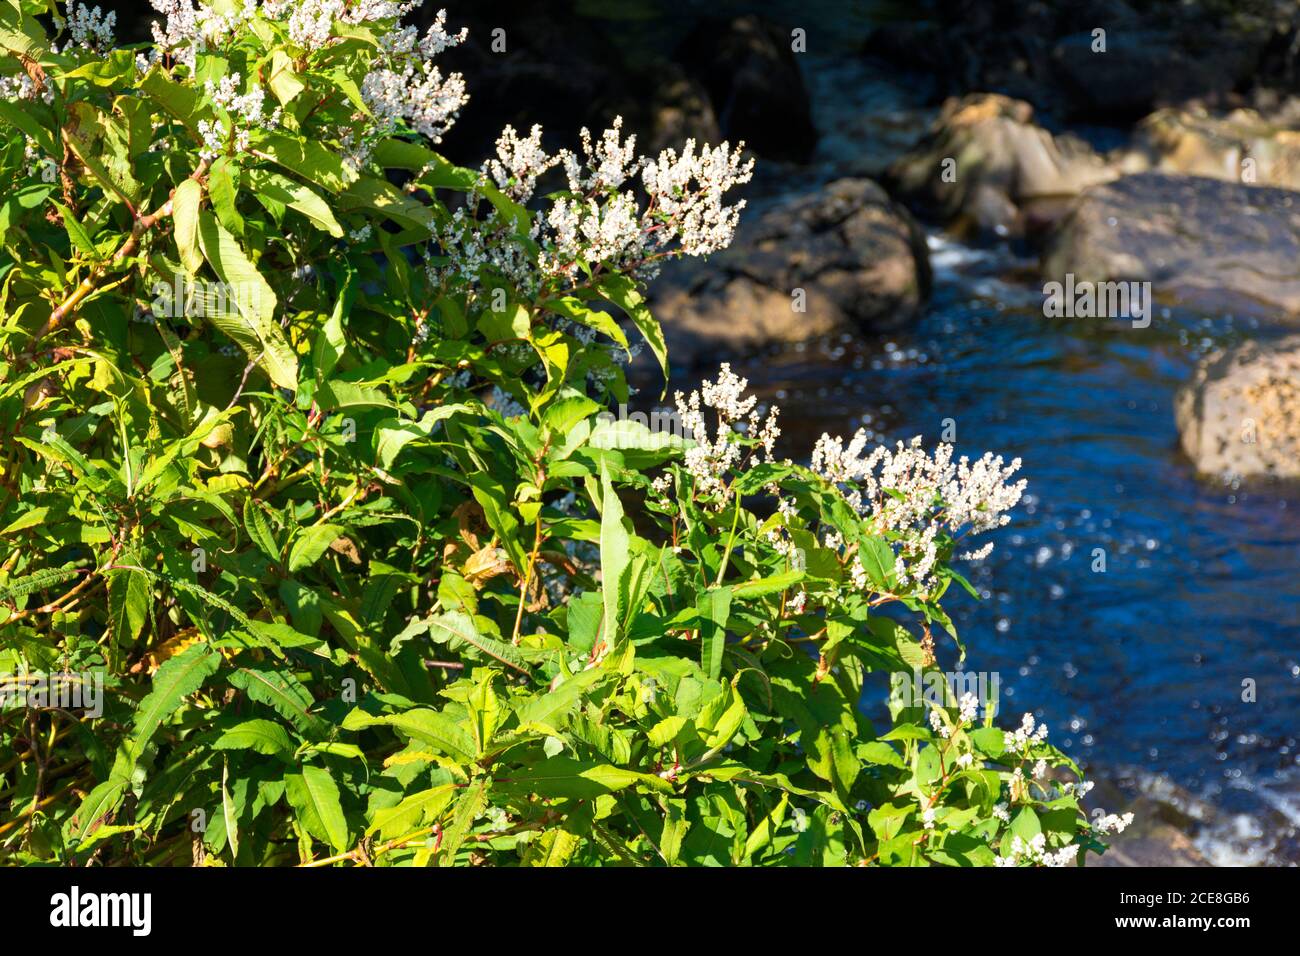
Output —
(262, 736)
(311, 544)
(714, 606)
(254, 328)
(185, 218)
(314, 796)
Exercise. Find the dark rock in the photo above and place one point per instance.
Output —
(1141, 69)
(1158, 52)
(1203, 242)
(753, 79)
(858, 257)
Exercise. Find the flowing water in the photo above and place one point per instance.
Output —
(1142, 669)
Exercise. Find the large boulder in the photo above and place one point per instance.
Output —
(985, 166)
(844, 258)
(752, 76)
(1240, 412)
(1158, 52)
(1201, 242)
(1143, 68)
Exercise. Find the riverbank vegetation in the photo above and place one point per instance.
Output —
(307, 458)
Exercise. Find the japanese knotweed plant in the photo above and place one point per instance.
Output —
(307, 465)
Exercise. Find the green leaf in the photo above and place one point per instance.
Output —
(282, 189)
(314, 796)
(468, 808)
(309, 159)
(262, 736)
(761, 836)
(254, 328)
(761, 587)
(229, 813)
(715, 609)
(26, 121)
(259, 530)
(430, 726)
(622, 291)
(282, 692)
(419, 809)
(175, 680)
(283, 81)
(185, 219)
(77, 232)
(452, 627)
(37, 581)
(878, 561)
(311, 544)
(614, 560)
(129, 596)
(553, 848)
(560, 777)
(330, 341)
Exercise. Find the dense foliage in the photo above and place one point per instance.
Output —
(308, 455)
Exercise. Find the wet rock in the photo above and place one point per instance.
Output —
(1242, 144)
(985, 166)
(1240, 412)
(1202, 242)
(753, 80)
(852, 258)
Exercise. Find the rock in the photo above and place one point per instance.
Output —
(859, 258)
(1158, 52)
(754, 82)
(1240, 412)
(1166, 822)
(1201, 242)
(985, 166)
(1153, 843)
(1242, 145)
(680, 110)
(1142, 68)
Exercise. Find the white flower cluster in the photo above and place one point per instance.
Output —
(909, 491)
(1035, 852)
(405, 85)
(602, 220)
(518, 163)
(38, 164)
(967, 709)
(467, 248)
(1023, 737)
(21, 87)
(89, 28)
(244, 112)
(702, 222)
(709, 460)
(191, 28)
(1112, 822)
